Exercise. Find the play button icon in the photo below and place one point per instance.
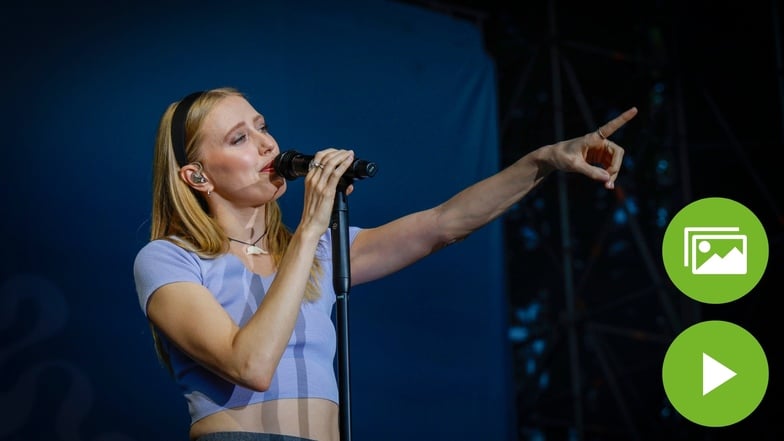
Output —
(715, 373)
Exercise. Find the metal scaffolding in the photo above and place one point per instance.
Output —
(592, 310)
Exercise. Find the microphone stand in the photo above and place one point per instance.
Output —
(341, 281)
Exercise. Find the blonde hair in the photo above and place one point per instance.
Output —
(180, 214)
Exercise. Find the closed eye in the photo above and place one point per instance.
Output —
(241, 137)
(238, 139)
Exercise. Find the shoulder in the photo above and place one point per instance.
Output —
(161, 262)
(163, 249)
(163, 256)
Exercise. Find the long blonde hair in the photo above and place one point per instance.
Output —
(180, 214)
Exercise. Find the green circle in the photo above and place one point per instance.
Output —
(715, 250)
(715, 373)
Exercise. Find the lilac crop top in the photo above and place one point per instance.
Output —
(306, 367)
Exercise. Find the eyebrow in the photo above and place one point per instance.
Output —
(231, 130)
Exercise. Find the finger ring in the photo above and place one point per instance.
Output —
(314, 164)
(599, 132)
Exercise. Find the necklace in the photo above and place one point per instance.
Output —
(251, 248)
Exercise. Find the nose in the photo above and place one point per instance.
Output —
(267, 144)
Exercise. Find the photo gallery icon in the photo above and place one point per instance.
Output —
(715, 250)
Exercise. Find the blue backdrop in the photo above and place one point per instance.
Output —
(85, 86)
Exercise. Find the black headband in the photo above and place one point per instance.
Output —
(178, 126)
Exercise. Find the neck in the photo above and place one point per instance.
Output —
(243, 224)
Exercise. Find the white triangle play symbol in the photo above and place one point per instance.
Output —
(714, 374)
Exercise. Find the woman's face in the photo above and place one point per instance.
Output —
(237, 153)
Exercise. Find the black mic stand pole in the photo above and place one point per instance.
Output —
(341, 281)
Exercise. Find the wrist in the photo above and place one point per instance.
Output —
(542, 160)
(308, 234)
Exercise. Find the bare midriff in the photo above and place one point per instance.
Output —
(310, 418)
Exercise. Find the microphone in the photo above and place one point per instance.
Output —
(292, 165)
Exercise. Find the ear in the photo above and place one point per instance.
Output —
(193, 175)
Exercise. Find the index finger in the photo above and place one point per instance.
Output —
(616, 123)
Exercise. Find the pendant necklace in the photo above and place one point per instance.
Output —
(252, 248)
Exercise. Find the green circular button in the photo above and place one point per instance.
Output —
(715, 250)
(715, 373)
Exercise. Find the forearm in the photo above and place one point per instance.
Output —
(377, 252)
(259, 345)
(486, 200)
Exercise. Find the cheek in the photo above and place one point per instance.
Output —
(233, 165)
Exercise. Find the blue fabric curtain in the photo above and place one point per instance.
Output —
(410, 89)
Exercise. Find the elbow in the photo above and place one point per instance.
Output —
(256, 376)
(448, 230)
(450, 240)
(257, 383)
(253, 369)
(445, 240)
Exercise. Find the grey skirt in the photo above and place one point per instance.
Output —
(248, 436)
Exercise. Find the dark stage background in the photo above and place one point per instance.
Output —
(707, 79)
(470, 344)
